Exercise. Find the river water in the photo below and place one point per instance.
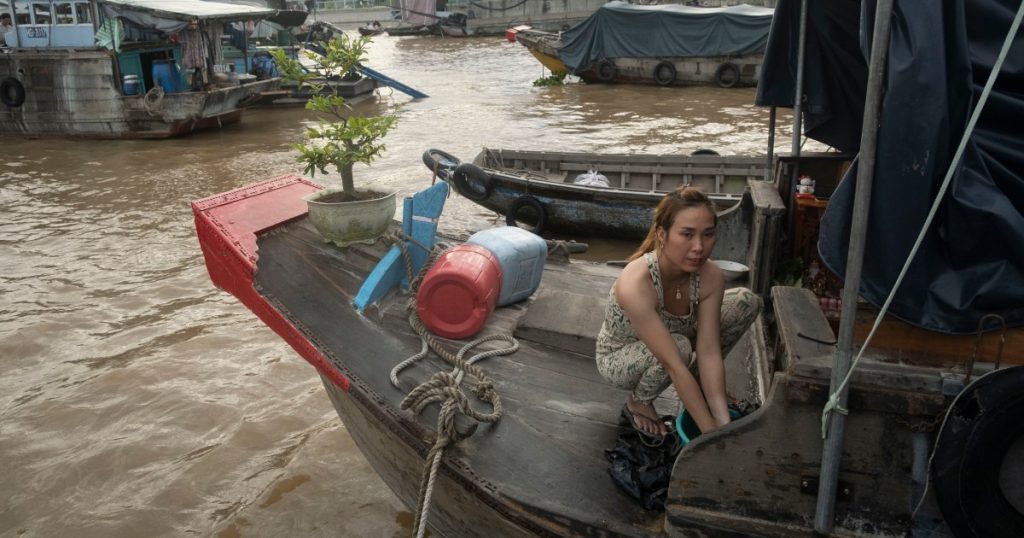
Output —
(138, 400)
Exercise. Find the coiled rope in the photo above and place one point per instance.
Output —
(443, 387)
(153, 100)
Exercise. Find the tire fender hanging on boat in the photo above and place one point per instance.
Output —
(980, 441)
(605, 70)
(440, 161)
(665, 73)
(12, 92)
(727, 75)
(527, 201)
(472, 181)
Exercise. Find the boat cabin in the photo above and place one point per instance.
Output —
(151, 39)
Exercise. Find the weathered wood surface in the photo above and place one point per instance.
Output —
(541, 468)
(542, 465)
(653, 173)
(759, 475)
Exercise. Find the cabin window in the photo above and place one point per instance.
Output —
(63, 13)
(82, 13)
(21, 14)
(40, 13)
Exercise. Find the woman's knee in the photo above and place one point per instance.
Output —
(741, 307)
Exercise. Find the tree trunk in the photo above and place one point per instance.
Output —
(346, 179)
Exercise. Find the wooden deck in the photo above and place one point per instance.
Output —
(543, 464)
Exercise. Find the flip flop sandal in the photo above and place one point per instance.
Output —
(628, 418)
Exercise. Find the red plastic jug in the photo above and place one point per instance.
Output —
(459, 291)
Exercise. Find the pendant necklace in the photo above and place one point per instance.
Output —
(679, 293)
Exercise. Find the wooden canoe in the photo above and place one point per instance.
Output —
(622, 210)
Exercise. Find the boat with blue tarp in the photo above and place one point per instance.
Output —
(665, 45)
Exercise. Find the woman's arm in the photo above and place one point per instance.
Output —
(637, 296)
(709, 342)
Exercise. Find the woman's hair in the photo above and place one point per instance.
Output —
(673, 202)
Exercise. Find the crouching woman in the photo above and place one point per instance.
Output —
(670, 320)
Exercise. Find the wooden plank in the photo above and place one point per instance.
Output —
(665, 170)
(803, 331)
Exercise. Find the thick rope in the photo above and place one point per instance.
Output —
(443, 387)
(833, 399)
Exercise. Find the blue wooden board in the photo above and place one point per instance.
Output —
(419, 221)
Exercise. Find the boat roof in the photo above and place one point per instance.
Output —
(621, 30)
(200, 9)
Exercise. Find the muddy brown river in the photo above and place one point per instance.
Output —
(138, 400)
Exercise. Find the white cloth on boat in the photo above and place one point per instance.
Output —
(591, 179)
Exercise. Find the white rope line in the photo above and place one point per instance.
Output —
(833, 399)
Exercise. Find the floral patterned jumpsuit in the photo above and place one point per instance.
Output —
(625, 361)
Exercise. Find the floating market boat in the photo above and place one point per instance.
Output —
(665, 45)
(595, 194)
(117, 68)
(933, 440)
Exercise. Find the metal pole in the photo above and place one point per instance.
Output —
(769, 172)
(824, 517)
(798, 99)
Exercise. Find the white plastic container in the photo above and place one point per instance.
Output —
(521, 255)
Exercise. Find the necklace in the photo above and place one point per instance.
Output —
(679, 292)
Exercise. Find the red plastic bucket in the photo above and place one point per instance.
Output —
(459, 291)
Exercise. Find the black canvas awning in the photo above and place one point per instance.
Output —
(971, 262)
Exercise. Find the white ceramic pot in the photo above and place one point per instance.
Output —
(344, 223)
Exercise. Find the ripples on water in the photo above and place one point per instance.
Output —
(138, 400)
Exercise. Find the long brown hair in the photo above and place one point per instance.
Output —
(673, 202)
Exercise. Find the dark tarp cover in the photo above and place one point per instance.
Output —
(621, 30)
(971, 262)
(835, 74)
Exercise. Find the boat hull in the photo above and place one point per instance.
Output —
(722, 71)
(540, 469)
(623, 210)
(75, 93)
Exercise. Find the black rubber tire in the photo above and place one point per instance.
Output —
(665, 74)
(970, 449)
(605, 70)
(12, 93)
(445, 162)
(704, 151)
(472, 181)
(527, 201)
(727, 75)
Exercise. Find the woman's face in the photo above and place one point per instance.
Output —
(690, 240)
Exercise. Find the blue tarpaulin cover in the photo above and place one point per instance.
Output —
(621, 30)
(940, 55)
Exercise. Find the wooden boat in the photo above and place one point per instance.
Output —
(60, 83)
(544, 47)
(371, 30)
(351, 86)
(542, 182)
(540, 469)
(685, 47)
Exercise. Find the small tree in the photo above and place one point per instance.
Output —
(341, 138)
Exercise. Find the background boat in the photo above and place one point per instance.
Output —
(636, 183)
(61, 83)
(664, 45)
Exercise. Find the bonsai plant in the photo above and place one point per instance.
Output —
(341, 139)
